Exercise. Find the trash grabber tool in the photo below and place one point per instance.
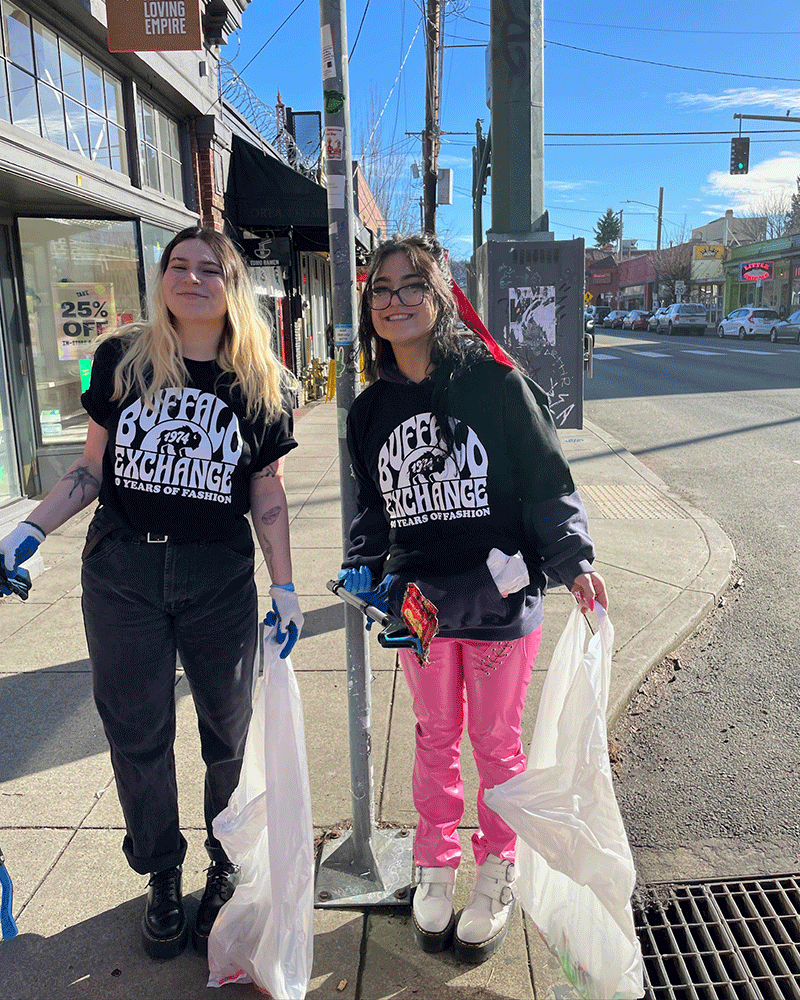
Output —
(416, 629)
(8, 928)
(18, 585)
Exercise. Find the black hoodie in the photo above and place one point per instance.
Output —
(431, 514)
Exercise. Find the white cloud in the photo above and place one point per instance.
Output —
(741, 99)
(745, 192)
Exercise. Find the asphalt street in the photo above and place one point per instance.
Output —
(708, 776)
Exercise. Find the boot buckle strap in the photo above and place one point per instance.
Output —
(441, 876)
(494, 890)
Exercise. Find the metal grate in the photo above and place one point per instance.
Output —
(617, 500)
(737, 940)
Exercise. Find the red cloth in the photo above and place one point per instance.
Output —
(474, 322)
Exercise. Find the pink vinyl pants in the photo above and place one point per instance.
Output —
(490, 680)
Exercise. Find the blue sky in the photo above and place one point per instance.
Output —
(659, 66)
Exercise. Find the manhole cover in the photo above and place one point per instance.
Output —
(637, 500)
(736, 940)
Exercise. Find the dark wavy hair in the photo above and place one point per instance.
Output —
(450, 346)
(452, 350)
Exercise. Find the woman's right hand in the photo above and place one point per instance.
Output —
(17, 547)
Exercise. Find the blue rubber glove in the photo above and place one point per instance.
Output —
(359, 582)
(16, 548)
(285, 615)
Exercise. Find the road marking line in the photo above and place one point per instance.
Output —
(649, 354)
(606, 357)
(712, 354)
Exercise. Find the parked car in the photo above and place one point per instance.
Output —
(748, 322)
(615, 318)
(786, 329)
(588, 324)
(691, 316)
(652, 323)
(636, 320)
(600, 313)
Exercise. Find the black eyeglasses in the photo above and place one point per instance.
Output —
(409, 295)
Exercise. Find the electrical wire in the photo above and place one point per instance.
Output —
(358, 33)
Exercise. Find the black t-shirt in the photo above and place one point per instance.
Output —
(184, 468)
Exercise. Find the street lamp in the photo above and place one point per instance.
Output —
(659, 207)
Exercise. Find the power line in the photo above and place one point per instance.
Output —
(687, 69)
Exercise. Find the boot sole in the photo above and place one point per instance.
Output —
(165, 947)
(473, 953)
(434, 941)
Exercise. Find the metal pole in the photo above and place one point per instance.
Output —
(362, 867)
(430, 138)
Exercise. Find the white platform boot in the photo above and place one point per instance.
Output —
(433, 915)
(483, 922)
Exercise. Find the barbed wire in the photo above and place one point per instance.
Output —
(264, 119)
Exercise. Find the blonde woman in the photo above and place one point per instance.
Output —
(188, 426)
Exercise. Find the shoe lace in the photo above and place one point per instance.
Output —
(164, 885)
(219, 873)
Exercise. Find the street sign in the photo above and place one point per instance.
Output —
(587, 298)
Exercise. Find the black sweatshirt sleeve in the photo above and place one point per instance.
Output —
(369, 532)
(553, 515)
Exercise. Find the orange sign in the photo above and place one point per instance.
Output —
(153, 25)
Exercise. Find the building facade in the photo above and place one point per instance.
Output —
(104, 156)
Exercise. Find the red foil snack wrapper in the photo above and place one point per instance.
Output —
(419, 615)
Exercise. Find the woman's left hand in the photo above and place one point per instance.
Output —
(588, 588)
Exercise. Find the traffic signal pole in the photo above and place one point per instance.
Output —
(364, 866)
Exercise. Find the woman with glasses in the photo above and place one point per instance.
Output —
(463, 490)
(189, 421)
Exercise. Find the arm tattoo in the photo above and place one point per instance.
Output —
(268, 472)
(81, 480)
(271, 516)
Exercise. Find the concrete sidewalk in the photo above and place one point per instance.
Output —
(77, 904)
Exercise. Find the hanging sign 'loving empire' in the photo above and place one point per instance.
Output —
(153, 25)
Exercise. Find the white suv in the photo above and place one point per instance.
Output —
(691, 316)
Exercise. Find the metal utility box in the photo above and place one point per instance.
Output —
(530, 296)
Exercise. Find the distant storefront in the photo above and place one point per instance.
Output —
(765, 274)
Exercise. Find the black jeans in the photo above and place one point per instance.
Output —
(143, 603)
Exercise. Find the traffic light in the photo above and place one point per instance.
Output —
(740, 154)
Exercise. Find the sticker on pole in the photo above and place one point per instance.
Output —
(343, 335)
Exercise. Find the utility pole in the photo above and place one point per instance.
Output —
(430, 137)
(366, 866)
(517, 129)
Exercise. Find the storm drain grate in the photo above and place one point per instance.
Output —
(617, 500)
(713, 940)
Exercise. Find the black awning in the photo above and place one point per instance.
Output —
(264, 193)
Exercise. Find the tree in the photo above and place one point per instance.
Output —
(673, 264)
(388, 174)
(770, 216)
(608, 229)
(793, 221)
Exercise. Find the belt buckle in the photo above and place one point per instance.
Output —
(155, 539)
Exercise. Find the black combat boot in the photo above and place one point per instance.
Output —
(164, 927)
(220, 884)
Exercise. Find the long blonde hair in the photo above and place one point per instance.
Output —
(153, 360)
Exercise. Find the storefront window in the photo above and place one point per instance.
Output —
(154, 239)
(159, 150)
(9, 481)
(82, 279)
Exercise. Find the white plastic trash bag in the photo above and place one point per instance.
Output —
(575, 872)
(264, 933)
